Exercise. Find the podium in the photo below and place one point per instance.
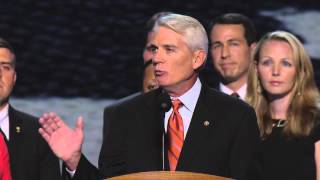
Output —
(168, 175)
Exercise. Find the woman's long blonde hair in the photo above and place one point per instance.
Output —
(304, 108)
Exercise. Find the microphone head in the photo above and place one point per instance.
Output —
(165, 106)
(164, 100)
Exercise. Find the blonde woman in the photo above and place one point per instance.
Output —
(282, 90)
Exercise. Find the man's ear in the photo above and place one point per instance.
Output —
(252, 48)
(199, 58)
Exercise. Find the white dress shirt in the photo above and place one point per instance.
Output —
(189, 101)
(242, 91)
(4, 121)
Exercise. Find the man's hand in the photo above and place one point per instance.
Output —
(65, 142)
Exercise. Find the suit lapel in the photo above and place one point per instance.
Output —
(16, 142)
(199, 128)
(154, 115)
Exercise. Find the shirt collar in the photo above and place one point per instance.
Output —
(241, 91)
(189, 99)
(4, 121)
(4, 113)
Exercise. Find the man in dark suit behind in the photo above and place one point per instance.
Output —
(30, 156)
(233, 38)
(217, 134)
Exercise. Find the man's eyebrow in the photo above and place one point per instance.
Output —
(169, 46)
(216, 42)
(5, 62)
(148, 45)
(152, 46)
(234, 39)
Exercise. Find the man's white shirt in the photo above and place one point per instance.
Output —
(189, 101)
(242, 91)
(4, 121)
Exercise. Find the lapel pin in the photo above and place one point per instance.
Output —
(18, 129)
(206, 123)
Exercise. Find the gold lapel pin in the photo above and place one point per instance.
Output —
(206, 123)
(18, 129)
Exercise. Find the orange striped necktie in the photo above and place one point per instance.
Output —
(175, 135)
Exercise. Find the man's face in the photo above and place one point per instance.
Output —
(149, 80)
(173, 61)
(230, 52)
(7, 75)
(147, 52)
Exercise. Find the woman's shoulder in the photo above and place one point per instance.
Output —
(316, 129)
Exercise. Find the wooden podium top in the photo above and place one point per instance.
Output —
(167, 175)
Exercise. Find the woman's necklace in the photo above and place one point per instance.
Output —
(279, 123)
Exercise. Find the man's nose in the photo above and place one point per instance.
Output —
(157, 57)
(225, 52)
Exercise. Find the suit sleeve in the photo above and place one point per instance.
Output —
(244, 150)
(112, 161)
(48, 162)
(85, 171)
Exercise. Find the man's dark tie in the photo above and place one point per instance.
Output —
(4, 136)
(234, 94)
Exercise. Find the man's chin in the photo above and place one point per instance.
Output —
(228, 79)
(3, 100)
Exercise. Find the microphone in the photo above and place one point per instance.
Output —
(164, 100)
(165, 105)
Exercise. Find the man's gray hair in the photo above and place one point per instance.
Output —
(191, 29)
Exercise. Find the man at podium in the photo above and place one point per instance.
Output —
(182, 126)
